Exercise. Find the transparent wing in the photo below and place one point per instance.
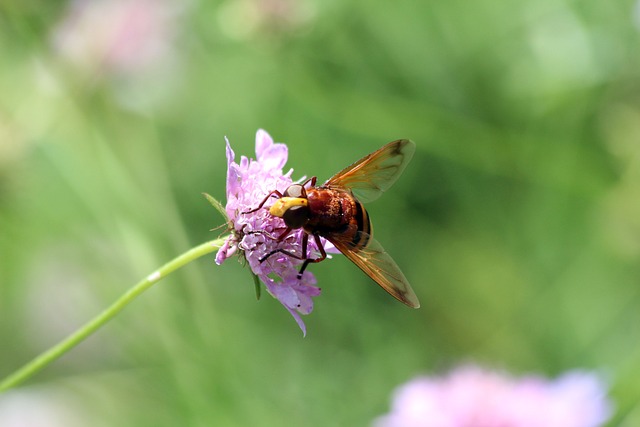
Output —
(370, 176)
(377, 264)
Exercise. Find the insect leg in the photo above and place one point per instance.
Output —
(285, 252)
(284, 234)
(280, 238)
(311, 180)
(262, 233)
(282, 251)
(268, 236)
(307, 261)
(276, 192)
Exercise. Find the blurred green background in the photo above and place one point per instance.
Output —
(517, 222)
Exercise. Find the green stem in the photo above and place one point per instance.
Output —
(90, 327)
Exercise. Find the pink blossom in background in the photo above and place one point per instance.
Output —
(248, 183)
(473, 397)
(121, 37)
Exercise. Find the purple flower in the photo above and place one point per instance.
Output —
(255, 234)
(473, 397)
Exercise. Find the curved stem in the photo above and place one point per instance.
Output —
(90, 327)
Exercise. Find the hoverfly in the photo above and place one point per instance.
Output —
(334, 211)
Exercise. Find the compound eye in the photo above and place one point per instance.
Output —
(296, 216)
(295, 190)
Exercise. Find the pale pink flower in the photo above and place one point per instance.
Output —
(121, 37)
(474, 397)
(254, 234)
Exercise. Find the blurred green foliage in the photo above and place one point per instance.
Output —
(517, 222)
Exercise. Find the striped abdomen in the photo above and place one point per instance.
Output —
(336, 212)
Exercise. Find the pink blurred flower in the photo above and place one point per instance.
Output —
(473, 397)
(248, 183)
(117, 36)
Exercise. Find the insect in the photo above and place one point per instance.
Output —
(335, 211)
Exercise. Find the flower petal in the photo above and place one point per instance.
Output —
(227, 250)
(233, 177)
(299, 321)
(272, 156)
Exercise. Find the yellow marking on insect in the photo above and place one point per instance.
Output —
(284, 203)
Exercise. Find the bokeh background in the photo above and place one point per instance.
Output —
(517, 222)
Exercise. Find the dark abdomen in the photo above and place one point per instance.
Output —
(336, 211)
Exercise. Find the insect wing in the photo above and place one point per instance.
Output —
(370, 176)
(377, 264)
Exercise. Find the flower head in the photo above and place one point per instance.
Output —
(473, 397)
(256, 233)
